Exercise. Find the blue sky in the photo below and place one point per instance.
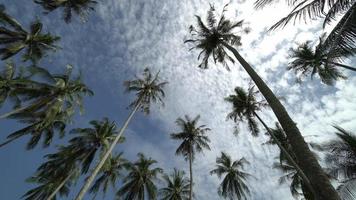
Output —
(123, 37)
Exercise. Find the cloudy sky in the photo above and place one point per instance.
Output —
(124, 36)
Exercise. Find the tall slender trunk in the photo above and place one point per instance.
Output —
(287, 154)
(343, 66)
(307, 162)
(90, 179)
(53, 194)
(191, 175)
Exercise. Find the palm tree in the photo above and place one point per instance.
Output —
(343, 36)
(14, 38)
(306, 61)
(217, 37)
(297, 184)
(110, 172)
(233, 185)
(284, 165)
(194, 139)
(54, 176)
(77, 155)
(245, 107)
(177, 186)
(341, 157)
(49, 106)
(148, 90)
(79, 7)
(139, 182)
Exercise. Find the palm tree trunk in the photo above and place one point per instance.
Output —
(287, 154)
(90, 179)
(305, 158)
(53, 194)
(191, 175)
(343, 66)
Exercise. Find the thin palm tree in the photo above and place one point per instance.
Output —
(49, 106)
(177, 186)
(342, 37)
(284, 165)
(233, 185)
(111, 171)
(79, 7)
(194, 139)
(77, 156)
(139, 182)
(245, 107)
(148, 90)
(296, 183)
(14, 38)
(217, 37)
(307, 61)
(341, 156)
(54, 176)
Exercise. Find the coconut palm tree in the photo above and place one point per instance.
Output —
(77, 156)
(343, 36)
(177, 186)
(297, 185)
(245, 107)
(14, 38)
(233, 185)
(194, 139)
(341, 157)
(148, 90)
(308, 61)
(49, 106)
(79, 7)
(111, 171)
(54, 176)
(214, 40)
(139, 182)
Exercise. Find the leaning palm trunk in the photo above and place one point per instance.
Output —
(91, 178)
(343, 66)
(53, 194)
(191, 176)
(289, 157)
(307, 162)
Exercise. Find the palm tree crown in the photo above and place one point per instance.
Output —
(193, 137)
(341, 158)
(10, 80)
(342, 37)
(148, 90)
(177, 186)
(14, 38)
(139, 182)
(210, 38)
(49, 106)
(233, 185)
(111, 171)
(79, 7)
(245, 106)
(308, 61)
(74, 157)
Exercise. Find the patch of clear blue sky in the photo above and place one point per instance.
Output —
(83, 46)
